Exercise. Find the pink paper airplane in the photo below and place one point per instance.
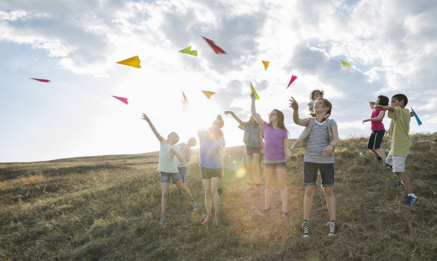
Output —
(41, 80)
(120, 99)
(293, 78)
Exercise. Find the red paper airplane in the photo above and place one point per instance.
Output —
(214, 46)
(120, 99)
(293, 78)
(41, 80)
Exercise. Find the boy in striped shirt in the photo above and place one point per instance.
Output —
(400, 143)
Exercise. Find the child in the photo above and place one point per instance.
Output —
(319, 148)
(220, 123)
(261, 156)
(276, 152)
(212, 167)
(400, 142)
(315, 94)
(377, 128)
(168, 168)
(186, 154)
(252, 135)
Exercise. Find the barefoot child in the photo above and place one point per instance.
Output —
(168, 168)
(377, 128)
(276, 152)
(400, 142)
(186, 154)
(315, 94)
(252, 134)
(319, 139)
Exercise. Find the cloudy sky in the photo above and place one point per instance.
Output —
(391, 46)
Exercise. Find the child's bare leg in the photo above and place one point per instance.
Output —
(256, 173)
(308, 201)
(249, 168)
(184, 189)
(164, 196)
(208, 203)
(281, 174)
(269, 176)
(215, 196)
(375, 152)
(330, 201)
(381, 153)
(406, 181)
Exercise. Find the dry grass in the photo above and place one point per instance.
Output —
(107, 208)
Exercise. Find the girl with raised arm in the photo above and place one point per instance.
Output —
(276, 153)
(212, 167)
(252, 134)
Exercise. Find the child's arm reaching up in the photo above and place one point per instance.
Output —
(372, 105)
(295, 106)
(235, 117)
(388, 108)
(178, 155)
(380, 115)
(257, 117)
(153, 128)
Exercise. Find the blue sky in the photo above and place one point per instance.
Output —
(391, 45)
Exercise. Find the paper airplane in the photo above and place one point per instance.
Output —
(185, 101)
(214, 46)
(120, 99)
(134, 62)
(266, 64)
(254, 92)
(293, 78)
(344, 63)
(41, 80)
(417, 118)
(188, 51)
(208, 94)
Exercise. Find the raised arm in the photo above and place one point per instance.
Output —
(372, 105)
(295, 106)
(388, 108)
(380, 115)
(235, 117)
(220, 160)
(257, 117)
(152, 127)
(178, 155)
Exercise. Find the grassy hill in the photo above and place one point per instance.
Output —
(108, 208)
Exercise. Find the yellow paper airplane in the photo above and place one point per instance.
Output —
(188, 51)
(208, 94)
(254, 92)
(344, 63)
(266, 64)
(134, 62)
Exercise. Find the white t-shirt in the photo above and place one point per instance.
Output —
(183, 147)
(166, 158)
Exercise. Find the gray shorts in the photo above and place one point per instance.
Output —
(165, 177)
(397, 162)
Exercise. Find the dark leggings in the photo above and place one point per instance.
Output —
(375, 139)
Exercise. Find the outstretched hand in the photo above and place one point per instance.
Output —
(146, 118)
(365, 121)
(252, 96)
(293, 104)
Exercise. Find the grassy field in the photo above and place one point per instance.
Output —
(108, 208)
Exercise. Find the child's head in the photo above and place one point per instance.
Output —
(219, 122)
(382, 100)
(322, 106)
(215, 132)
(399, 100)
(192, 142)
(315, 94)
(172, 138)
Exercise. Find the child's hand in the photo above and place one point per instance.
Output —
(310, 107)
(327, 151)
(228, 112)
(293, 104)
(173, 151)
(365, 121)
(293, 157)
(252, 96)
(146, 118)
(411, 113)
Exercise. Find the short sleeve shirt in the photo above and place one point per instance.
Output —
(183, 147)
(377, 125)
(166, 157)
(318, 139)
(208, 148)
(399, 131)
(274, 142)
(248, 143)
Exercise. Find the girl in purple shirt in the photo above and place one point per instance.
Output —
(377, 128)
(276, 152)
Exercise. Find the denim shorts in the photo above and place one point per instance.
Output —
(182, 172)
(211, 173)
(326, 171)
(165, 177)
(252, 150)
(280, 165)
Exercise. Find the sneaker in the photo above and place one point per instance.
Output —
(257, 188)
(306, 229)
(249, 187)
(399, 185)
(411, 201)
(285, 214)
(162, 220)
(265, 211)
(206, 221)
(332, 228)
(194, 204)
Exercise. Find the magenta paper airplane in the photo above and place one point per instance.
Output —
(41, 80)
(293, 78)
(214, 46)
(120, 99)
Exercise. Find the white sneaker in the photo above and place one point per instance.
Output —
(332, 228)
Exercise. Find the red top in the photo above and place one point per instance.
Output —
(377, 125)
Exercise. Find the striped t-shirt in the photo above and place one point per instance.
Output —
(399, 131)
(318, 139)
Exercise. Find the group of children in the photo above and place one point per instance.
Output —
(319, 139)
